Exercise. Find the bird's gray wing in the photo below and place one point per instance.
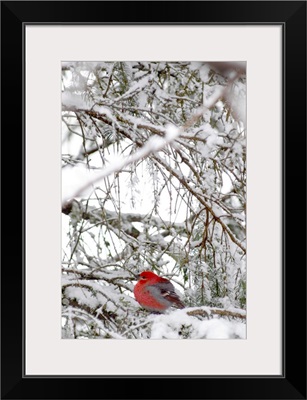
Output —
(165, 292)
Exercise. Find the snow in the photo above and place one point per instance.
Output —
(104, 111)
(142, 100)
(153, 144)
(137, 87)
(178, 324)
(204, 72)
(222, 329)
(72, 100)
(172, 132)
(214, 97)
(74, 178)
(213, 140)
(194, 65)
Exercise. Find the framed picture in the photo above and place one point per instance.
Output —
(162, 149)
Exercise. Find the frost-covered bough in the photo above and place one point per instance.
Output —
(154, 178)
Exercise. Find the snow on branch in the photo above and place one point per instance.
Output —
(192, 323)
(152, 145)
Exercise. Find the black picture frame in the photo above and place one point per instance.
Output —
(292, 383)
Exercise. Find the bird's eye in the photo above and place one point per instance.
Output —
(143, 278)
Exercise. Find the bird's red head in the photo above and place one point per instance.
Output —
(147, 276)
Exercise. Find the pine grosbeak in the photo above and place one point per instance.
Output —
(156, 294)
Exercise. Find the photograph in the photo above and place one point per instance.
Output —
(154, 199)
(161, 156)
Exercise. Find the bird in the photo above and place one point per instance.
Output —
(156, 294)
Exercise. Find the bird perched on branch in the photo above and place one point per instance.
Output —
(156, 294)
